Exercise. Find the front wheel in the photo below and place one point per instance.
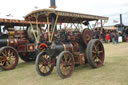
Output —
(43, 65)
(65, 64)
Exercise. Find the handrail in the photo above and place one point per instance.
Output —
(54, 28)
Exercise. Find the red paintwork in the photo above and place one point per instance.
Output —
(17, 42)
(30, 47)
(42, 46)
(22, 48)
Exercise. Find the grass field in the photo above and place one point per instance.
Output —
(114, 71)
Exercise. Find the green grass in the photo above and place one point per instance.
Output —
(114, 72)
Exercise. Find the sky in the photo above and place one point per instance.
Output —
(108, 8)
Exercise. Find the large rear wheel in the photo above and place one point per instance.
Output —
(8, 58)
(87, 35)
(95, 53)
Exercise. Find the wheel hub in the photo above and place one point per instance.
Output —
(97, 54)
(67, 64)
(45, 64)
(8, 58)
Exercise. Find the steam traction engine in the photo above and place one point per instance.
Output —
(15, 42)
(68, 47)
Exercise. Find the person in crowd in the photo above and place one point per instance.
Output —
(108, 37)
(116, 37)
(113, 37)
(97, 34)
(94, 34)
(103, 34)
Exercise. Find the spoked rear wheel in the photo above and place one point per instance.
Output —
(65, 64)
(43, 65)
(87, 35)
(95, 53)
(8, 58)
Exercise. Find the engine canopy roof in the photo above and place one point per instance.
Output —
(63, 16)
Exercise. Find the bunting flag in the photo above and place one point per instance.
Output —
(105, 21)
(98, 23)
(115, 21)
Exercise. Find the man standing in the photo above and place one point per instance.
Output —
(116, 37)
(113, 37)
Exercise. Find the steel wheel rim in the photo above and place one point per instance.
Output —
(98, 53)
(8, 58)
(44, 65)
(66, 65)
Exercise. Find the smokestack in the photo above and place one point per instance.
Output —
(52, 4)
(121, 24)
(120, 19)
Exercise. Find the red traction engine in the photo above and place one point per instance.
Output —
(15, 44)
(70, 49)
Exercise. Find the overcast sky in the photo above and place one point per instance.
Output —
(110, 8)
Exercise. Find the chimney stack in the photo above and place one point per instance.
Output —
(52, 4)
(121, 23)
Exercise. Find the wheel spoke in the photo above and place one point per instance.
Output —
(49, 67)
(61, 66)
(65, 58)
(97, 44)
(62, 61)
(4, 54)
(94, 52)
(96, 60)
(40, 66)
(45, 56)
(69, 61)
(42, 59)
(66, 71)
(95, 48)
(94, 57)
(42, 70)
(9, 53)
(99, 52)
(99, 60)
(3, 62)
(45, 69)
(13, 58)
(2, 57)
(7, 63)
